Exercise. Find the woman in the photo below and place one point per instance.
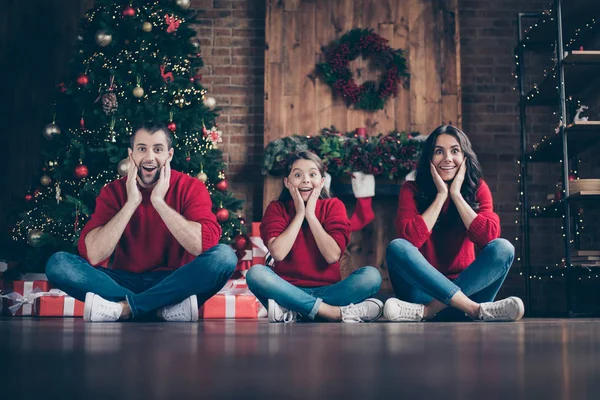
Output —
(442, 216)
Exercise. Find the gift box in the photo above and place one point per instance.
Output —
(235, 300)
(259, 250)
(21, 296)
(58, 306)
(244, 263)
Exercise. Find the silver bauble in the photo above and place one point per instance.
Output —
(51, 130)
(123, 167)
(185, 4)
(34, 237)
(103, 38)
(210, 103)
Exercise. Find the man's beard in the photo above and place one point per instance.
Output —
(151, 180)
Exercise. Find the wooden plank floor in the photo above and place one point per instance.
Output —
(535, 358)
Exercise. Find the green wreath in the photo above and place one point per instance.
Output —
(363, 42)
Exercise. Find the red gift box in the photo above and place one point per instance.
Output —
(58, 306)
(259, 250)
(244, 263)
(21, 296)
(233, 301)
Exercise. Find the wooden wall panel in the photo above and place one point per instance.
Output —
(298, 102)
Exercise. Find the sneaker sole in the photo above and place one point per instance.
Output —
(87, 308)
(521, 308)
(271, 310)
(194, 304)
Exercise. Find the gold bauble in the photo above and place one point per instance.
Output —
(147, 27)
(34, 237)
(202, 176)
(51, 130)
(123, 167)
(45, 180)
(138, 92)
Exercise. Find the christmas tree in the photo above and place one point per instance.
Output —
(135, 61)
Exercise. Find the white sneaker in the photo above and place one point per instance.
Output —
(401, 311)
(276, 313)
(185, 311)
(367, 311)
(509, 309)
(97, 309)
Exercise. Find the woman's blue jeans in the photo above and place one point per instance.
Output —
(265, 284)
(145, 292)
(415, 280)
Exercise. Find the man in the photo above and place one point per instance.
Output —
(156, 230)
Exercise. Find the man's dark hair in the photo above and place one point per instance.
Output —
(152, 128)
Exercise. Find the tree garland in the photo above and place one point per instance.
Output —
(392, 156)
(363, 42)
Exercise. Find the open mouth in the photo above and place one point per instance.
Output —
(149, 168)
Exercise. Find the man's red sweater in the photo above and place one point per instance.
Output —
(305, 265)
(449, 247)
(147, 244)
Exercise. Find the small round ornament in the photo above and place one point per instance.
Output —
(185, 4)
(123, 167)
(34, 237)
(240, 242)
(28, 197)
(51, 130)
(202, 177)
(172, 126)
(83, 80)
(103, 38)
(147, 27)
(222, 185)
(129, 11)
(210, 103)
(81, 171)
(45, 180)
(138, 91)
(222, 214)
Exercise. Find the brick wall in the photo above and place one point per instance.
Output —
(232, 35)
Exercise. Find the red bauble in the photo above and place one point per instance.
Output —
(172, 126)
(222, 185)
(188, 159)
(572, 177)
(242, 220)
(129, 11)
(83, 80)
(28, 197)
(222, 214)
(240, 242)
(81, 171)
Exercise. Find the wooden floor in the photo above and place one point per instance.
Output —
(67, 358)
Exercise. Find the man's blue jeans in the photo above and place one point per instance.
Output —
(415, 280)
(265, 284)
(145, 292)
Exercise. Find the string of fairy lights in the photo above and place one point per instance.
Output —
(555, 208)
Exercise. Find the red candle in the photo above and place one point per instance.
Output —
(361, 132)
